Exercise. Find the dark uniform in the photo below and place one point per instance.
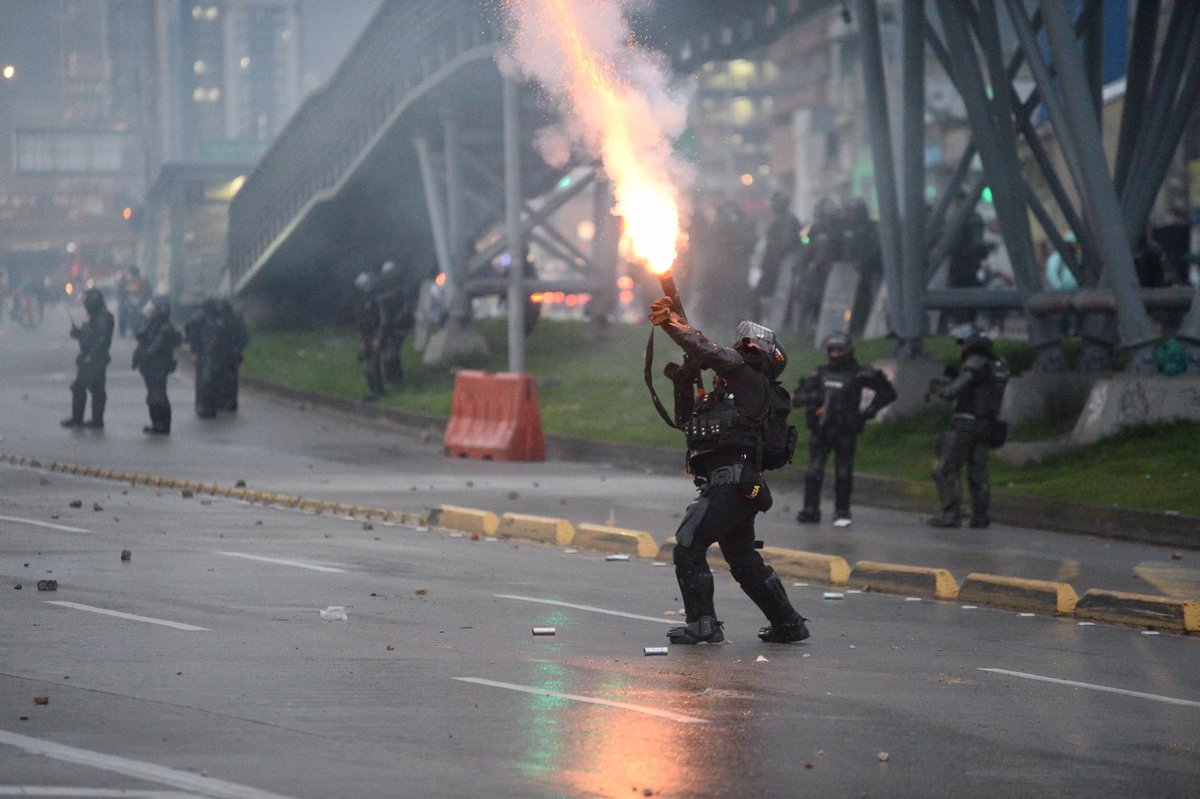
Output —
(91, 365)
(154, 358)
(231, 341)
(372, 329)
(976, 392)
(725, 431)
(396, 306)
(832, 397)
(782, 240)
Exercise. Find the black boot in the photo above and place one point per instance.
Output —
(97, 420)
(786, 633)
(78, 403)
(705, 630)
(808, 516)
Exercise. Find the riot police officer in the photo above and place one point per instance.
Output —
(91, 365)
(725, 438)
(976, 391)
(832, 396)
(372, 330)
(154, 357)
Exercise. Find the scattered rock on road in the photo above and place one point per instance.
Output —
(96, 506)
(187, 493)
(47, 585)
(421, 592)
(76, 503)
(41, 700)
(126, 555)
(883, 757)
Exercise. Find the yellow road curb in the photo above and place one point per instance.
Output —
(1043, 596)
(602, 538)
(1164, 613)
(894, 578)
(558, 532)
(466, 520)
(808, 565)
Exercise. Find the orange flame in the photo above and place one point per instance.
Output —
(609, 107)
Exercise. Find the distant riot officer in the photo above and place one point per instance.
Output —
(726, 439)
(371, 331)
(781, 241)
(832, 398)
(396, 308)
(976, 391)
(91, 365)
(154, 358)
(230, 341)
(201, 334)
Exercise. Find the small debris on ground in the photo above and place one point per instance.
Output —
(513, 495)
(258, 523)
(17, 587)
(545, 631)
(616, 557)
(41, 700)
(1176, 555)
(126, 555)
(368, 526)
(391, 648)
(654, 650)
(334, 613)
(883, 757)
(76, 503)
(47, 585)
(761, 659)
(240, 484)
(833, 595)
(187, 493)
(421, 591)
(474, 536)
(96, 506)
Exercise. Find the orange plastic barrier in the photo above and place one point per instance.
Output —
(495, 417)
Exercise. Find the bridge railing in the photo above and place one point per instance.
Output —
(405, 42)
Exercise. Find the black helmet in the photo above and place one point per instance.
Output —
(839, 343)
(752, 335)
(972, 339)
(93, 300)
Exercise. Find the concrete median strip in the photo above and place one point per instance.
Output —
(466, 520)
(894, 578)
(602, 538)
(1041, 596)
(1164, 613)
(558, 532)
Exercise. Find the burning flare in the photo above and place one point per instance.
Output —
(614, 100)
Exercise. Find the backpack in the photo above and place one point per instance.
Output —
(779, 437)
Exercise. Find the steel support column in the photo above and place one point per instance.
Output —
(455, 210)
(436, 207)
(605, 245)
(881, 150)
(513, 201)
(1133, 324)
(1002, 169)
(911, 327)
(1137, 79)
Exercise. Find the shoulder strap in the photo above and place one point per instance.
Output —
(658, 406)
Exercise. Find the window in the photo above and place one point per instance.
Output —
(68, 151)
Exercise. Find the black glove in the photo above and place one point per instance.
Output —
(660, 311)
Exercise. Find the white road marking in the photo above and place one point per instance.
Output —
(528, 689)
(36, 523)
(131, 616)
(1140, 695)
(91, 793)
(283, 562)
(585, 607)
(204, 786)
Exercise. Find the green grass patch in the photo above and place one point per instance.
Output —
(592, 387)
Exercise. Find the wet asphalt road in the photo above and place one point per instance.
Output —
(223, 666)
